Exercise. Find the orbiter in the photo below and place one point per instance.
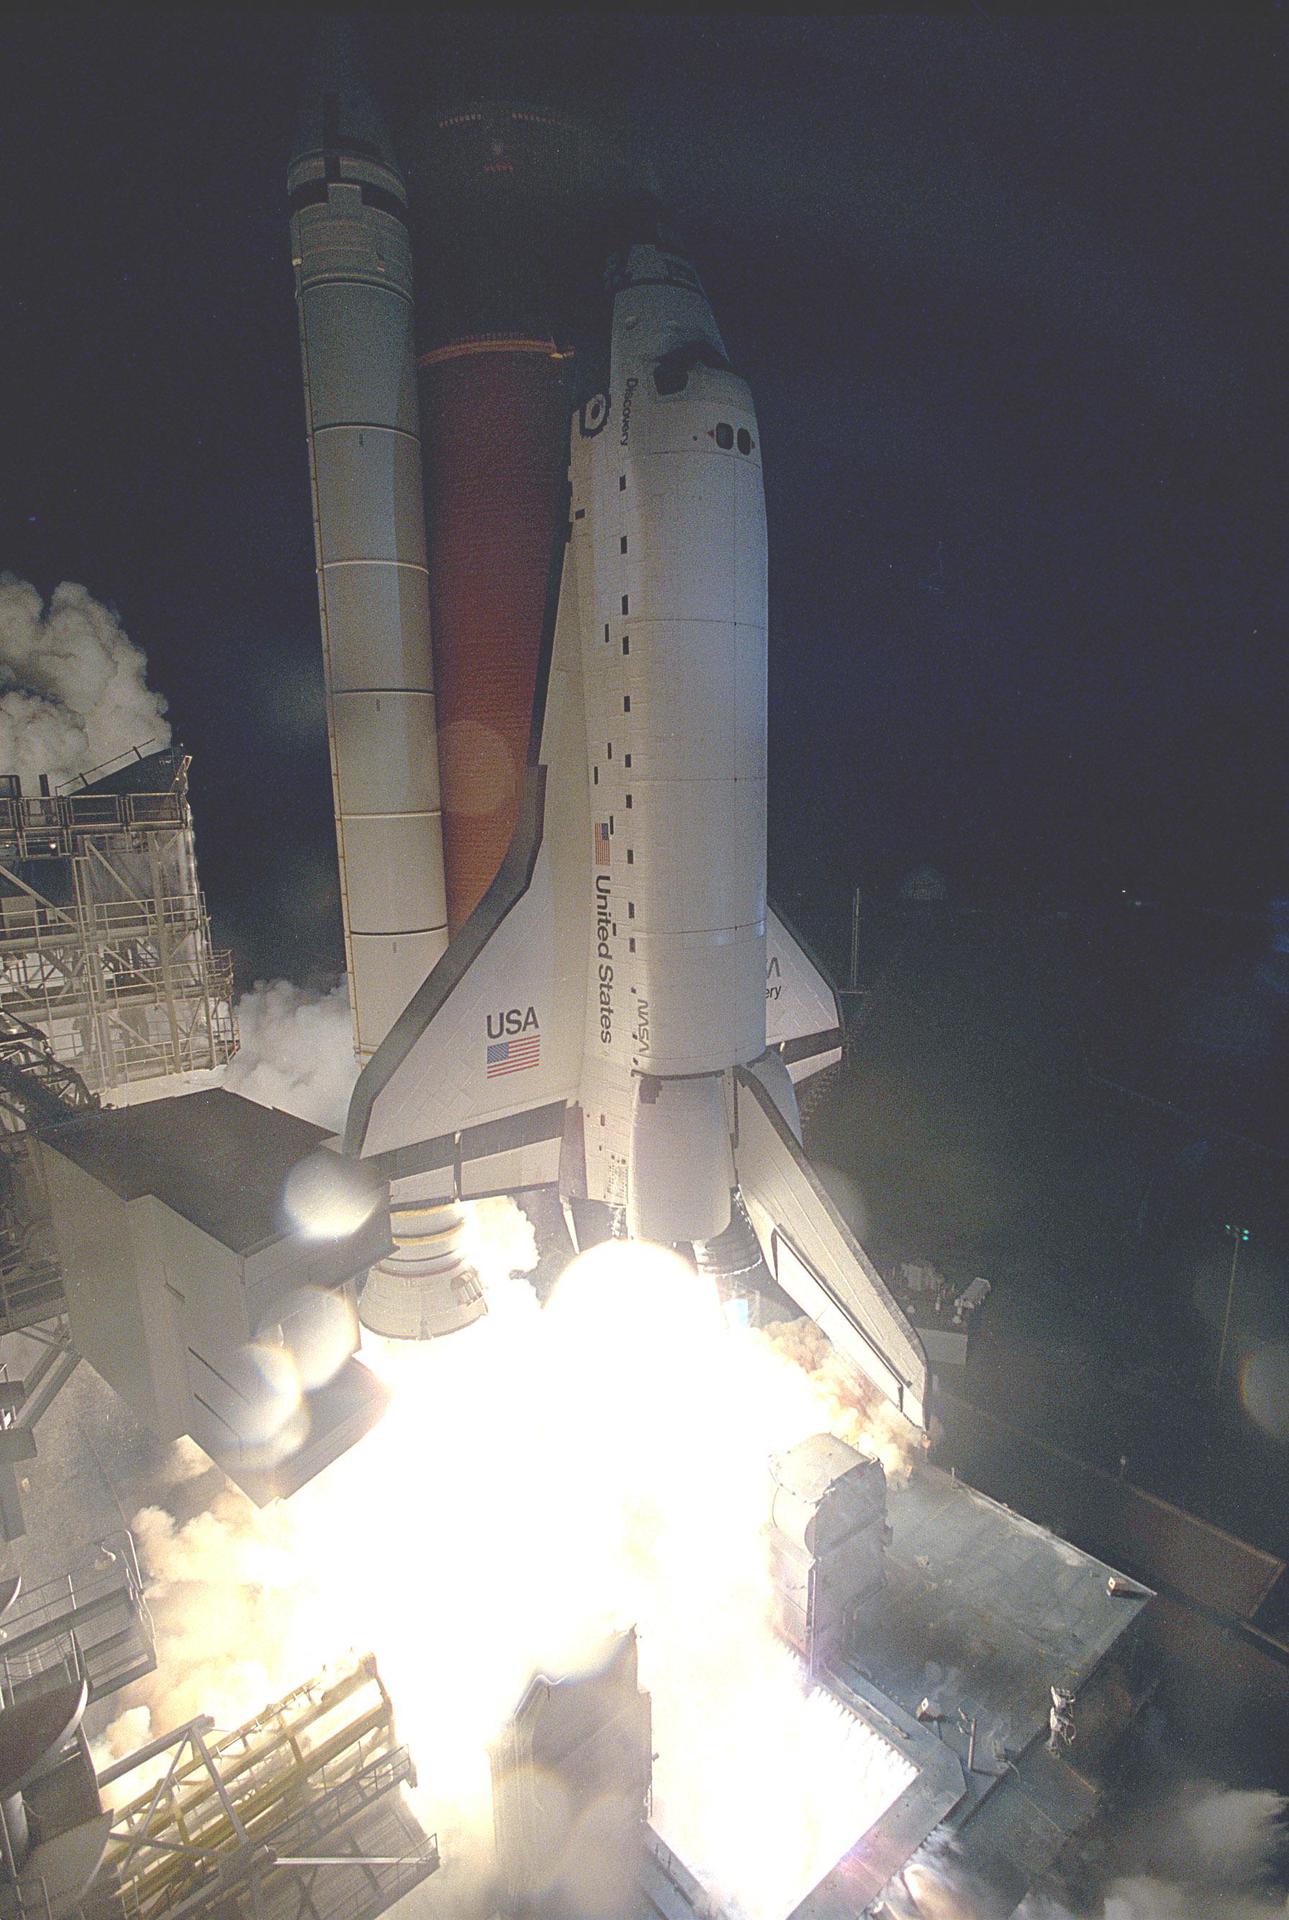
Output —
(622, 1014)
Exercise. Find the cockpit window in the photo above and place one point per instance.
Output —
(673, 369)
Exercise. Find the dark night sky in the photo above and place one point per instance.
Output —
(1009, 293)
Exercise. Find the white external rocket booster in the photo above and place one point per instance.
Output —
(352, 259)
(622, 1015)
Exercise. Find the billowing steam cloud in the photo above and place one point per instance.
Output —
(296, 1051)
(1209, 1852)
(73, 685)
(1202, 1851)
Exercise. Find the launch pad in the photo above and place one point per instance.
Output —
(946, 1664)
(936, 1623)
(565, 975)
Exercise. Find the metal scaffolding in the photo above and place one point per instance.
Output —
(91, 1623)
(298, 1815)
(107, 979)
(105, 939)
(295, 1816)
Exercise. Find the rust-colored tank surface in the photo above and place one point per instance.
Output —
(494, 419)
(510, 207)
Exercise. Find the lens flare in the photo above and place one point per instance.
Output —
(542, 1479)
(328, 1198)
(1264, 1387)
(271, 1419)
(317, 1329)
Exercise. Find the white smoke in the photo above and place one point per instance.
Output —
(1209, 1853)
(1222, 1836)
(501, 1242)
(127, 1733)
(296, 1051)
(1143, 1898)
(1203, 1852)
(73, 685)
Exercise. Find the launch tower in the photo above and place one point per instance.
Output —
(110, 989)
(105, 941)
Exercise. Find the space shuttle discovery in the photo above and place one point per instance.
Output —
(622, 1015)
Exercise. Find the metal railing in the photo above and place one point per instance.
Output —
(92, 1622)
(109, 951)
(30, 1290)
(312, 1779)
(35, 989)
(117, 1005)
(26, 922)
(26, 1899)
(143, 751)
(52, 826)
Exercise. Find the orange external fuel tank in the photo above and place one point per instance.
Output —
(504, 200)
(494, 416)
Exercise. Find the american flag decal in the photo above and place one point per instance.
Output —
(601, 843)
(512, 1056)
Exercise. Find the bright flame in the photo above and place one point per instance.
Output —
(540, 1479)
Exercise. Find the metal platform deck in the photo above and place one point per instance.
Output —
(983, 1612)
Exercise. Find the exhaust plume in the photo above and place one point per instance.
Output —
(856, 1412)
(547, 1477)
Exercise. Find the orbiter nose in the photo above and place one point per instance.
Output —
(638, 218)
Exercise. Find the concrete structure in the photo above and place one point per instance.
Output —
(194, 1294)
(942, 1312)
(980, 1613)
(827, 1521)
(571, 1793)
(950, 1659)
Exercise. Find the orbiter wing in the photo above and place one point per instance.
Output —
(814, 1256)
